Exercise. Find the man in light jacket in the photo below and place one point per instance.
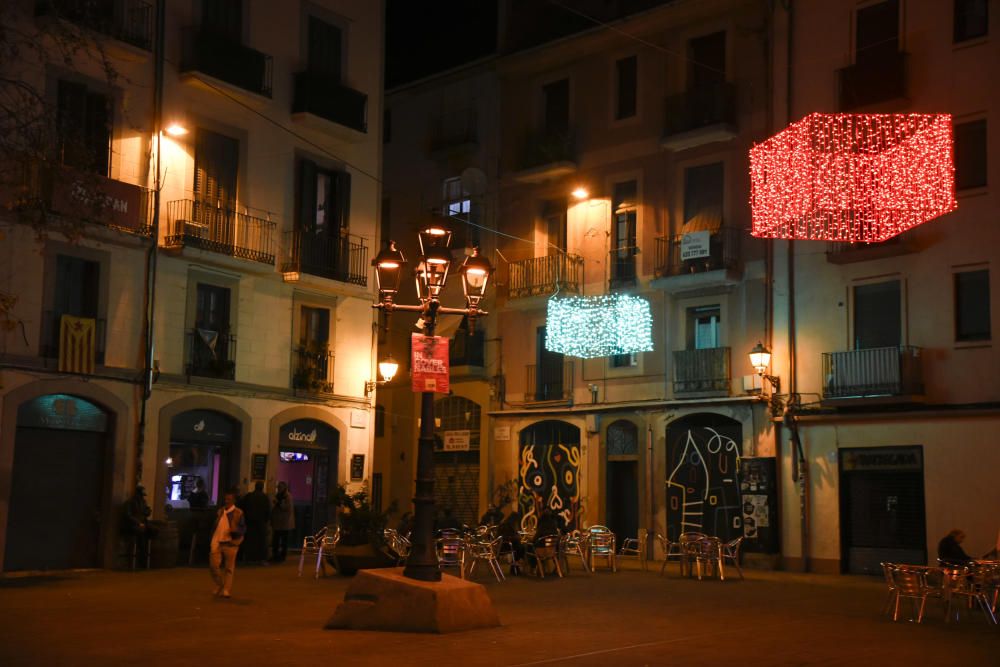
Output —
(230, 527)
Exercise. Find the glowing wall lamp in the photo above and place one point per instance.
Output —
(760, 359)
(387, 369)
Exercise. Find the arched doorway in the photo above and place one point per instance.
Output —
(204, 444)
(308, 452)
(703, 486)
(59, 484)
(456, 458)
(548, 473)
(622, 474)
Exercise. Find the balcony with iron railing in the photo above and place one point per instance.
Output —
(879, 372)
(622, 269)
(546, 155)
(688, 260)
(84, 196)
(51, 336)
(701, 115)
(553, 383)
(128, 21)
(342, 258)
(219, 229)
(227, 60)
(545, 275)
(702, 371)
(211, 354)
(326, 97)
(313, 364)
(872, 81)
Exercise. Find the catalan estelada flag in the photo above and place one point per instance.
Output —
(77, 342)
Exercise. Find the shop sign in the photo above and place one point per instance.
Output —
(883, 459)
(357, 467)
(695, 245)
(457, 441)
(308, 433)
(430, 363)
(501, 433)
(104, 200)
(61, 411)
(258, 467)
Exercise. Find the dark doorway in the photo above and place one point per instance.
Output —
(58, 485)
(308, 452)
(622, 471)
(882, 515)
(877, 320)
(703, 486)
(549, 468)
(549, 375)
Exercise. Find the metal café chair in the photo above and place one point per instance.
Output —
(689, 544)
(488, 552)
(635, 547)
(731, 552)
(670, 550)
(909, 582)
(891, 597)
(451, 553)
(322, 544)
(708, 557)
(542, 550)
(574, 543)
(602, 545)
(970, 585)
(397, 545)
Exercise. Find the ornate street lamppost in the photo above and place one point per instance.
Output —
(431, 275)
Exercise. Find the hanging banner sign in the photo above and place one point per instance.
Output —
(695, 245)
(430, 363)
(457, 441)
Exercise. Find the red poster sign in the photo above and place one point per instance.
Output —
(430, 363)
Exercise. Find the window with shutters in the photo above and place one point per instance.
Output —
(459, 205)
(971, 19)
(555, 101)
(972, 305)
(706, 61)
(325, 49)
(626, 73)
(970, 154)
(323, 220)
(223, 19)
(211, 345)
(703, 327)
(84, 120)
(876, 35)
(554, 225)
(878, 315)
(703, 194)
(216, 168)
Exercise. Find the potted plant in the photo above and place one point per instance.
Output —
(362, 532)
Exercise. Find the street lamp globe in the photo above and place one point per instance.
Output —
(388, 269)
(476, 271)
(433, 271)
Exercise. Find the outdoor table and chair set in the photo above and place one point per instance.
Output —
(972, 585)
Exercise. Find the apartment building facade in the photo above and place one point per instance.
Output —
(890, 346)
(256, 260)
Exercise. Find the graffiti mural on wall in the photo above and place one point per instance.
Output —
(548, 474)
(703, 492)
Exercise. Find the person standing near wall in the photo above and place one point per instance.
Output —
(230, 527)
(257, 509)
(282, 522)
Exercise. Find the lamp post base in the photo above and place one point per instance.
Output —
(386, 600)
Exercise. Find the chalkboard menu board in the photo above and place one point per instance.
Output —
(357, 467)
(759, 496)
(258, 467)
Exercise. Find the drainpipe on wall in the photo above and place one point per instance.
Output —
(150, 283)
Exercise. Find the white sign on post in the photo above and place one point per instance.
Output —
(695, 245)
(457, 441)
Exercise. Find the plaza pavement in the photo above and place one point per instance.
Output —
(169, 617)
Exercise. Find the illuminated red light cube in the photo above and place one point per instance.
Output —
(857, 178)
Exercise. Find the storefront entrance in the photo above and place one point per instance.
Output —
(59, 485)
(882, 508)
(456, 459)
(307, 461)
(622, 500)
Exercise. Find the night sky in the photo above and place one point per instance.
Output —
(423, 37)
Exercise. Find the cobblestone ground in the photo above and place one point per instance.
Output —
(169, 617)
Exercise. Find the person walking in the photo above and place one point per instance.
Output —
(257, 510)
(230, 527)
(282, 522)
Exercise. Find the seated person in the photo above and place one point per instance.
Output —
(950, 551)
(508, 530)
(492, 517)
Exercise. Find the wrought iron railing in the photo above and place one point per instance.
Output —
(219, 229)
(723, 253)
(211, 354)
(52, 328)
(873, 81)
(542, 148)
(877, 371)
(701, 107)
(328, 98)
(343, 258)
(553, 383)
(701, 370)
(622, 267)
(227, 60)
(453, 129)
(129, 21)
(545, 275)
(313, 368)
